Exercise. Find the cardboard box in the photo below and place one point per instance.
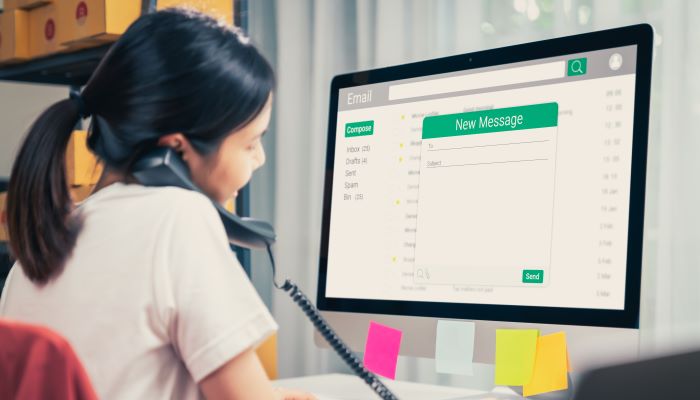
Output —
(230, 205)
(82, 167)
(14, 36)
(80, 193)
(94, 22)
(267, 353)
(4, 237)
(47, 30)
(25, 4)
(221, 9)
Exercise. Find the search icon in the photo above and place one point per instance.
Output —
(576, 67)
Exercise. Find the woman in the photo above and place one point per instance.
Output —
(141, 280)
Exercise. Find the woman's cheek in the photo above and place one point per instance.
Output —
(241, 175)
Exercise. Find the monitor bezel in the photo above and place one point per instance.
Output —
(640, 35)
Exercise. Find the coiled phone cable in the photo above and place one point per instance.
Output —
(329, 334)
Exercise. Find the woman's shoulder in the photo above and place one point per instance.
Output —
(150, 201)
(119, 191)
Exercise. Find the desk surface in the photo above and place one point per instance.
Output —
(350, 387)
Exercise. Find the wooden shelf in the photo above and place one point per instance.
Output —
(72, 69)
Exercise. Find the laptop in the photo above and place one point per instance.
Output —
(670, 377)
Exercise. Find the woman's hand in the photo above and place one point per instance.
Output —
(292, 394)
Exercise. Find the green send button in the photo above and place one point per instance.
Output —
(355, 129)
(533, 276)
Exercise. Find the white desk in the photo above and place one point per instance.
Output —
(349, 387)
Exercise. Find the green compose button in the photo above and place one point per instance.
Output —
(487, 121)
(533, 276)
(355, 129)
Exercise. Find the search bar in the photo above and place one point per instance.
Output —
(500, 77)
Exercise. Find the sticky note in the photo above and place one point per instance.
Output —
(454, 347)
(382, 349)
(550, 369)
(515, 356)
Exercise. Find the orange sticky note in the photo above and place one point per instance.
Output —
(550, 369)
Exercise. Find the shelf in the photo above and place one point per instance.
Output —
(72, 69)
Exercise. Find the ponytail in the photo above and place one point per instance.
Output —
(40, 225)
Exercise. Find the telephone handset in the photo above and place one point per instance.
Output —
(162, 166)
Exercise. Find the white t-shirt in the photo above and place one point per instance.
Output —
(152, 298)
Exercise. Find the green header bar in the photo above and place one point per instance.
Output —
(487, 121)
(355, 129)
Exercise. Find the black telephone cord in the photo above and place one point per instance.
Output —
(329, 334)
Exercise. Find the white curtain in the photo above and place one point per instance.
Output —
(311, 41)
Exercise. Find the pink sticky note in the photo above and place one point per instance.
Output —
(382, 349)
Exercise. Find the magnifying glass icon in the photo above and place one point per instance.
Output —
(577, 66)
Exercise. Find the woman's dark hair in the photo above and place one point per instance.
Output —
(171, 71)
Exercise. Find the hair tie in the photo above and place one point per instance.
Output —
(80, 102)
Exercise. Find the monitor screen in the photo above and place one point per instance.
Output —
(508, 184)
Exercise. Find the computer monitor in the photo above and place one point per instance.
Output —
(504, 187)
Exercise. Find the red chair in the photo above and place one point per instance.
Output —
(37, 363)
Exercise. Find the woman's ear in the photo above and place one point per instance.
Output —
(178, 142)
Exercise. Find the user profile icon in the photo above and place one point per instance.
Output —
(615, 61)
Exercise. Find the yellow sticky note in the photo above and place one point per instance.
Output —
(550, 365)
(515, 356)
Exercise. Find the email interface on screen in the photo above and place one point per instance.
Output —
(502, 185)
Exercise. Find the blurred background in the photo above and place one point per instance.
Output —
(309, 42)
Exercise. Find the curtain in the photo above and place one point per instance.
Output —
(311, 41)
